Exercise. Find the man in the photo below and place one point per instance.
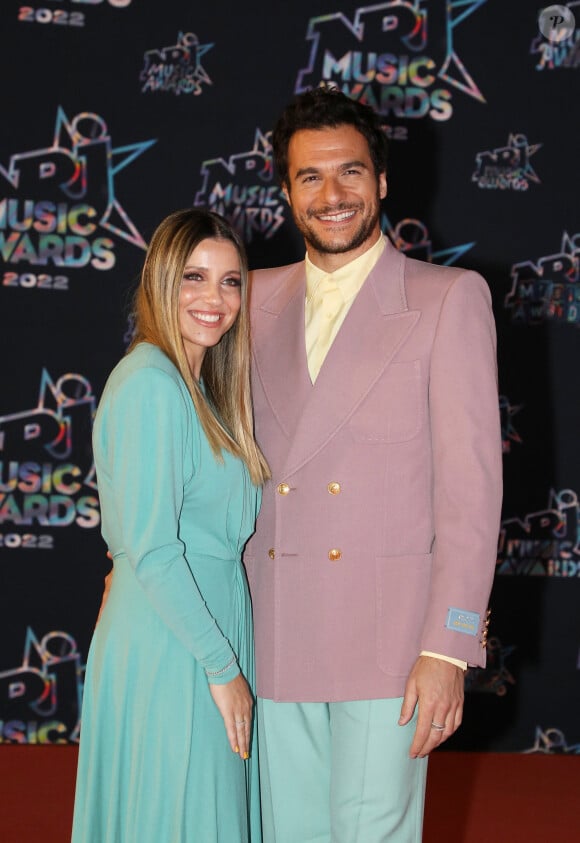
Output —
(376, 405)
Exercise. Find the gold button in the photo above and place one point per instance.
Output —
(334, 555)
(272, 553)
(334, 488)
(283, 489)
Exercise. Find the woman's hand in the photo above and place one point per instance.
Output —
(235, 703)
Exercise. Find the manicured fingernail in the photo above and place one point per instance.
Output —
(246, 756)
(236, 749)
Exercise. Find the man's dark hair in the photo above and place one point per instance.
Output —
(327, 108)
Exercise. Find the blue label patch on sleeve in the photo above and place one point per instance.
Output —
(459, 620)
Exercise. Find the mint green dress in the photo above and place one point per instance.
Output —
(155, 765)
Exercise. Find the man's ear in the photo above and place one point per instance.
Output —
(286, 192)
(382, 185)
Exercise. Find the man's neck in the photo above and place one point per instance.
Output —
(330, 262)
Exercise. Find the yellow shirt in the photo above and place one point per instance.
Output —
(329, 296)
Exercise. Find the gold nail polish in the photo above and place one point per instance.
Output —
(246, 756)
(236, 749)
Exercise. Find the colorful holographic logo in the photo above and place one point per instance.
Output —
(507, 167)
(176, 69)
(509, 434)
(241, 188)
(57, 197)
(544, 543)
(494, 678)
(411, 237)
(548, 290)
(381, 58)
(40, 700)
(551, 741)
(47, 476)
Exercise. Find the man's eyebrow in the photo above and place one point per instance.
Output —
(345, 165)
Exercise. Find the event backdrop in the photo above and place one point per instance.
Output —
(117, 112)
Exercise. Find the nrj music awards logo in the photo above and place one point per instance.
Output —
(551, 741)
(242, 189)
(40, 700)
(399, 57)
(177, 68)
(411, 237)
(558, 42)
(47, 476)
(494, 678)
(549, 289)
(544, 543)
(507, 167)
(59, 207)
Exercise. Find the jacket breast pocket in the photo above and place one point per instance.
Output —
(394, 409)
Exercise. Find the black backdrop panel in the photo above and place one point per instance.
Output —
(116, 112)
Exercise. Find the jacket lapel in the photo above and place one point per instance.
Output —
(376, 326)
(280, 349)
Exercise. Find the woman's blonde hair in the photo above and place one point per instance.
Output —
(225, 412)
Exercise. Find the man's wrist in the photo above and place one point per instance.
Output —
(457, 662)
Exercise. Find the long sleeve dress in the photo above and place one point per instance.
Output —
(155, 765)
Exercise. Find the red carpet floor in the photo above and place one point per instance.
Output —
(471, 797)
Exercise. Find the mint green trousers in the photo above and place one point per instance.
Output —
(339, 773)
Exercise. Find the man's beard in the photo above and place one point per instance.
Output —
(333, 244)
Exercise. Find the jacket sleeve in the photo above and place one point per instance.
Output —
(467, 467)
(148, 427)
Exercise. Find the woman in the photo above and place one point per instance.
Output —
(166, 746)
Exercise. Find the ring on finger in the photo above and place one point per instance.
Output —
(240, 722)
(437, 727)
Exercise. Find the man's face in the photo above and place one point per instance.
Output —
(334, 193)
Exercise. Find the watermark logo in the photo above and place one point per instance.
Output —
(509, 434)
(59, 207)
(558, 41)
(399, 57)
(47, 475)
(242, 189)
(411, 236)
(495, 678)
(507, 167)
(544, 543)
(556, 23)
(547, 289)
(40, 700)
(176, 69)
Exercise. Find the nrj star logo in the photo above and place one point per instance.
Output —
(57, 197)
(40, 700)
(241, 189)
(381, 58)
(177, 68)
(548, 289)
(412, 238)
(507, 167)
(47, 459)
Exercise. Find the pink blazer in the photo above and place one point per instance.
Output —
(378, 532)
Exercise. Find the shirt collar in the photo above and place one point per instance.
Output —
(350, 277)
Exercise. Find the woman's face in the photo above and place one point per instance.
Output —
(210, 298)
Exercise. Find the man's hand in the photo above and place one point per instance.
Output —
(436, 686)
